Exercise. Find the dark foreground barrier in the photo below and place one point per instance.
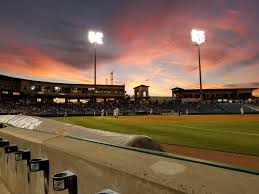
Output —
(59, 164)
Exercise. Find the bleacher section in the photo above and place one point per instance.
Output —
(252, 107)
(125, 107)
(218, 108)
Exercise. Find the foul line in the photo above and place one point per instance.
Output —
(234, 132)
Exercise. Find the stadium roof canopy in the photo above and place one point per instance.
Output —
(210, 89)
(141, 86)
(5, 77)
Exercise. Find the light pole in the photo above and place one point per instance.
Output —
(95, 38)
(198, 37)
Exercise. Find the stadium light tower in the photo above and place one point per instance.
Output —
(95, 38)
(198, 37)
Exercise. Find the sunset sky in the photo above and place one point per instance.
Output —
(145, 42)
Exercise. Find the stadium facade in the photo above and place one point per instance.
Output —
(31, 91)
(213, 95)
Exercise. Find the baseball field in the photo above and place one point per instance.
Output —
(228, 133)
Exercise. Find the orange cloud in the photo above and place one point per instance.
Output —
(153, 42)
(32, 62)
(154, 36)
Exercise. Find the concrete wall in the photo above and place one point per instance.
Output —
(3, 188)
(99, 167)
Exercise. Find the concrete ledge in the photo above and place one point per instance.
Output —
(3, 188)
(125, 171)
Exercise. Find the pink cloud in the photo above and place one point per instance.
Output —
(150, 34)
(32, 62)
(167, 34)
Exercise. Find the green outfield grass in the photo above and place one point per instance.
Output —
(230, 133)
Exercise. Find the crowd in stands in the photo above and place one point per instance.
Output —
(125, 107)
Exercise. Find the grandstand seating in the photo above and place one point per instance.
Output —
(125, 107)
(252, 107)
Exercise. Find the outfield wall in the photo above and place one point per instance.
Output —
(125, 171)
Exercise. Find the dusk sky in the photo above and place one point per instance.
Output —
(145, 42)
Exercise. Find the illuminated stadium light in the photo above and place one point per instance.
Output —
(198, 36)
(95, 38)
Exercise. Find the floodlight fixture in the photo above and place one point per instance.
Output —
(95, 38)
(198, 36)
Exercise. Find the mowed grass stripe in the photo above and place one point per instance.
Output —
(237, 126)
(216, 130)
(235, 136)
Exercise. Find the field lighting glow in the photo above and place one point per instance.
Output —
(198, 36)
(95, 37)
